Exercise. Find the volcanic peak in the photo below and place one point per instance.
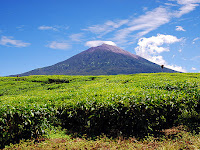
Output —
(111, 48)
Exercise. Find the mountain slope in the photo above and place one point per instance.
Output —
(101, 60)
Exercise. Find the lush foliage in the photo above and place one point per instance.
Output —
(127, 105)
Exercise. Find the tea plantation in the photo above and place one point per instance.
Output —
(118, 105)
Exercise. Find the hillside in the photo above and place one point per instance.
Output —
(101, 60)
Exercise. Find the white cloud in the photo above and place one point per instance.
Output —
(149, 46)
(193, 68)
(150, 49)
(187, 6)
(125, 31)
(180, 28)
(76, 37)
(144, 24)
(47, 28)
(193, 42)
(133, 27)
(170, 4)
(107, 27)
(175, 67)
(10, 42)
(97, 43)
(59, 45)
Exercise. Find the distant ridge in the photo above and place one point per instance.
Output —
(101, 60)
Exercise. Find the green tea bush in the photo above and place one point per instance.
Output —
(135, 117)
(23, 123)
(125, 105)
(132, 120)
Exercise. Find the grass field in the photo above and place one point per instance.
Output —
(116, 106)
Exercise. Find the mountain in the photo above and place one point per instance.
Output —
(101, 60)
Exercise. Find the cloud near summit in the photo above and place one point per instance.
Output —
(98, 42)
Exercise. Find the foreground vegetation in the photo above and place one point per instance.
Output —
(173, 139)
(117, 106)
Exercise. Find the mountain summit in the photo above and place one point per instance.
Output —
(101, 60)
(114, 49)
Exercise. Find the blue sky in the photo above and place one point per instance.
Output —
(39, 33)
